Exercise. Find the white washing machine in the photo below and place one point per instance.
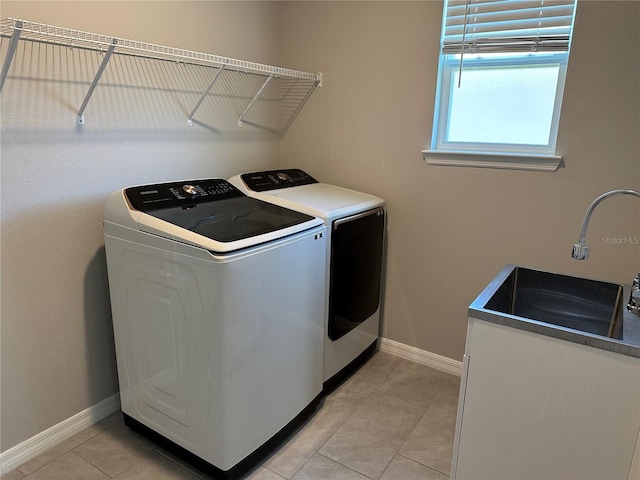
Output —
(217, 322)
(355, 238)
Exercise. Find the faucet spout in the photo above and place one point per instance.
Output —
(581, 249)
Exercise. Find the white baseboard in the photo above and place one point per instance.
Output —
(433, 360)
(43, 441)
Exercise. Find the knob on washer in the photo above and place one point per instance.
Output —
(190, 190)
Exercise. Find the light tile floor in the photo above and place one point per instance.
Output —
(392, 420)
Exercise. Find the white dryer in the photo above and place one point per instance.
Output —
(217, 322)
(355, 239)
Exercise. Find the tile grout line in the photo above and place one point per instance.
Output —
(356, 406)
(89, 461)
(68, 450)
(157, 450)
(347, 466)
(430, 467)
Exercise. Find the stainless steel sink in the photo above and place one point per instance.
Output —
(577, 303)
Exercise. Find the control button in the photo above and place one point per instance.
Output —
(190, 190)
(283, 176)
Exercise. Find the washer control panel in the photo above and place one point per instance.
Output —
(274, 179)
(180, 194)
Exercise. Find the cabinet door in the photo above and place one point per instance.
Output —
(539, 407)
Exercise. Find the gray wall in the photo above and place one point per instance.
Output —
(450, 229)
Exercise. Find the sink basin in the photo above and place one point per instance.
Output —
(571, 302)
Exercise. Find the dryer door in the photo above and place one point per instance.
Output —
(356, 270)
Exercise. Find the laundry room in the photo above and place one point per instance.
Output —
(79, 125)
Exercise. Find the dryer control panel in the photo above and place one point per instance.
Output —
(180, 194)
(274, 179)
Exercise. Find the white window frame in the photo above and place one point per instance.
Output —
(496, 155)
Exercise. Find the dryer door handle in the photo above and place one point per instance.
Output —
(376, 211)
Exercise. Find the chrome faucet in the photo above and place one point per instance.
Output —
(634, 300)
(581, 249)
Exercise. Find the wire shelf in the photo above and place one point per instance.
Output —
(18, 29)
(42, 32)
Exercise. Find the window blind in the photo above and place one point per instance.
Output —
(496, 26)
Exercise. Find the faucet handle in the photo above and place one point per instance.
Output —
(634, 298)
(580, 251)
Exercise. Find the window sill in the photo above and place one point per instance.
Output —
(545, 163)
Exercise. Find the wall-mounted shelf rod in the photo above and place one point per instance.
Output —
(206, 92)
(246, 110)
(96, 79)
(13, 44)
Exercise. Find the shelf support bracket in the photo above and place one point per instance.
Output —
(99, 73)
(206, 92)
(13, 45)
(255, 98)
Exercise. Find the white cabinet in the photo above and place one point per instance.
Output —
(535, 407)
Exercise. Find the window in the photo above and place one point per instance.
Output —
(501, 77)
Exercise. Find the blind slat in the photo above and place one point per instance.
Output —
(507, 25)
(457, 7)
(505, 28)
(508, 15)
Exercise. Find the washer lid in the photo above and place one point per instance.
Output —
(232, 219)
(212, 214)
